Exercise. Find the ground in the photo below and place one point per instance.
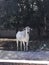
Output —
(21, 55)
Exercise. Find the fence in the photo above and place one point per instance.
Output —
(20, 62)
(6, 39)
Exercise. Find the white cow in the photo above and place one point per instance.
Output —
(23, 37)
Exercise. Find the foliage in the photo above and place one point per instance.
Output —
(20, 13)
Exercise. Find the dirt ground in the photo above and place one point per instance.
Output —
(21, 55)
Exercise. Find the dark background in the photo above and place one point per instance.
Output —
(15, 14)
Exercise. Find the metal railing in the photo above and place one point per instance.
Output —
(32, 62)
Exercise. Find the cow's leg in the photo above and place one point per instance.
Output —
(21, 45)
(17, 45)
(24, 45)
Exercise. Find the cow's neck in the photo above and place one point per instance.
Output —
(26, 33)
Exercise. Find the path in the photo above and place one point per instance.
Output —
(18, 55)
